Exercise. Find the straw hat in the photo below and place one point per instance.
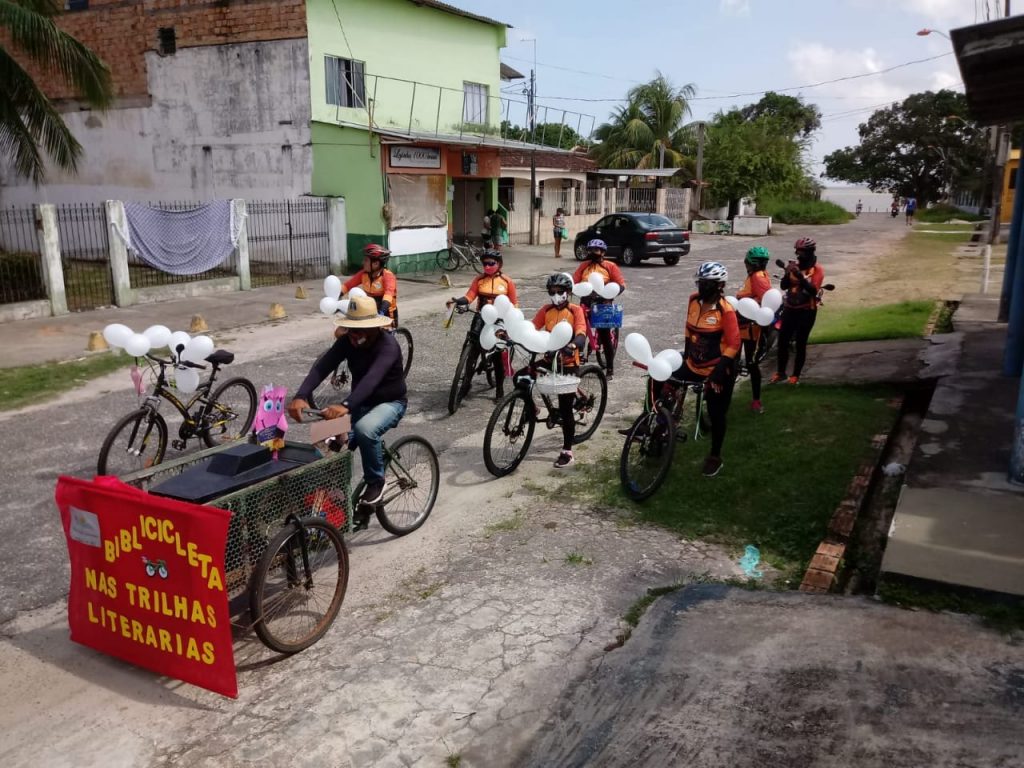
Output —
(362, 313)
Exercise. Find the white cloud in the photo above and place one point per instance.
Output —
(941, 14)
(734, 7)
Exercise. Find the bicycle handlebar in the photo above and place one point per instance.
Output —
(185, 363)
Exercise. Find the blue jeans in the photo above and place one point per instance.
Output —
(368, 427)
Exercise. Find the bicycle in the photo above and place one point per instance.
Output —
(457, 256)
(473, 360)
(329, 390)
(651, 440)
(515, 417)
(221, 417)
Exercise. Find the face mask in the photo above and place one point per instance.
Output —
(492, 269)
(595, 255)
(558, 299)
(708, 291)
(806, 260)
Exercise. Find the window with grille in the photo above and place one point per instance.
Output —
(346, 82)
(474, 103)
(167, 40)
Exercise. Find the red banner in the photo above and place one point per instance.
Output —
(147, 580)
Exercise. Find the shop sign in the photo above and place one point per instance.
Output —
(415, 157)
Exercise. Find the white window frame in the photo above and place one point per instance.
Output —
(475, 103)
(344, 82)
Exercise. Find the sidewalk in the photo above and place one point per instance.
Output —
(959, 521)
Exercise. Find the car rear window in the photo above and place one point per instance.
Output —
(654, 221)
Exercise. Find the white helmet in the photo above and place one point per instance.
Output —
(712, 270)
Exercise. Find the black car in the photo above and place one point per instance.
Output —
(633, 237)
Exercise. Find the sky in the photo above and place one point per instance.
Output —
(590, 52)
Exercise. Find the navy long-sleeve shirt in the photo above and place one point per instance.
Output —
(376, 368)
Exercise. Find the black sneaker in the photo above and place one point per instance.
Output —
(565, 460)
(373, 493)
(361, 519)
(712, 466)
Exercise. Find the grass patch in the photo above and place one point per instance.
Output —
(803, 211)
(943, 212)
(513, 523)
(1003, 617)
(576, 558)
(639, 608)
(785, 472)
(904, 320)
(35, 383)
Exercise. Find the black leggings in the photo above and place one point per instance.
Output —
(749, 355)
(566, 414)
(604, 338)
(796, 326)
(717, 404)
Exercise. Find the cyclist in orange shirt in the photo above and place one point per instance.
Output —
(379, 282)
(484, 290)
(559, 287)
(757, 283)
(801, 286)
(610, 273)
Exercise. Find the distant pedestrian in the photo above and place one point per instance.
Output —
(497, 226)
(894, 209)
(559, 231)
(910, 209)
(860, 207)
(485, 229)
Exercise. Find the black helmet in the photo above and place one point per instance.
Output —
(559, 281)
(491, 253)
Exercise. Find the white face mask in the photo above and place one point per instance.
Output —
(558, 299)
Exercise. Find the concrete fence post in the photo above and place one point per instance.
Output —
(602, 200)
(49, 251)
(116, 223)
(661, 201)
(337, 234)
(241, 220)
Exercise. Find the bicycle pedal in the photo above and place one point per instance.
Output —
(178, 445)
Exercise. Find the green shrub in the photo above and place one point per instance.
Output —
(803, 211)
(21, 277)
(943, 212)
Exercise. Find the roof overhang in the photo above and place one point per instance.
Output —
(991, 59)
(458, 12)
(395, 136)
(657, 172)
(508, 73)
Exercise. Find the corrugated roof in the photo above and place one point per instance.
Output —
(991, 59)
(663, 172)
(463, 140)
(458, 12)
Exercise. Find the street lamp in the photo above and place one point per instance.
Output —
(925, 32)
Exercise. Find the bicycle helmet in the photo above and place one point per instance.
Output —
(560, 282)
(490, 253)
(377, 253)
(713, 271)
(758, 256)
(805, 243)
(597, 245)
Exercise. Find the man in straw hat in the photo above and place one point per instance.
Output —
(378, 398)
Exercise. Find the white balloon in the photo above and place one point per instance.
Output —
(595, 280)
(537, 341)
(356, 292)
(117, 334)
(772, 299)
(343, 306)
(748, 308)
(158, 335)
(137, 345)
(561, 335)
(328, 305)
(197, 349)
(659, 370)
(582, 289)
(610, 290)
(489, 314)
(332, 287)
(765, 316)
(732, 300)
(672, 357)
(514, 315)
(519, 332)
(179, 339)
(638, 348)
(186, 380)
(488, 338)
(502, 305)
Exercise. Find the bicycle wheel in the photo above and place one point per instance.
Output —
(293, 599)
(411, 479)
(647, 454)
(765, 344)
(509, 433)
(230, 413)
(404, 339)
(474, 261)
(136, 442)
(463, 377)
(591, 398)
(447, 259)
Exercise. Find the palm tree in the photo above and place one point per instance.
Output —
(28, 119)
(648, 127)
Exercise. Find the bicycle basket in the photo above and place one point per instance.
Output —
(606, 316)
(556, 384)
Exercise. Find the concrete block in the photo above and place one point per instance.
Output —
(300, 292)
(198, 325)
(24, 310)
(277, 312)
(96, 342)
(754, 226)
(711, 227)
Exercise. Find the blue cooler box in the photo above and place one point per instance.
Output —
(606, 316)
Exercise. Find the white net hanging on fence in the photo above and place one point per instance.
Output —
(182, 242)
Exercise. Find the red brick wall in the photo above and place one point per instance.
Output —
(121, 31)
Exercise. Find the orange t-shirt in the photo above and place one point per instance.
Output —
(755, 287)
(711, 334)
(486, 288)
(549, 316)
(383, 288)
(796, 297)
(608, 270)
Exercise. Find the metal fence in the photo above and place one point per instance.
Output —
(21, 269)
(677, 203)
(85, 255)
(288, 240)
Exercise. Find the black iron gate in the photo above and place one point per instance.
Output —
(21, 269)
(288, 240)
(85, 255)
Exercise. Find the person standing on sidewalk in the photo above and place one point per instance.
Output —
(911, 209)
(757, 283)
(801, 287)
(610, 273)
(559, 231)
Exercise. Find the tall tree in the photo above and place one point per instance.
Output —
(790, 111)
(915, 148)
(30, 125)
(546, 134)
(647, 128)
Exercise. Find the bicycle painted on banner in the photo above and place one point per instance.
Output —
(512, 425)
(139, 440)
(456, 256)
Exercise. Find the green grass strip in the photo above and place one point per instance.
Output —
(905, 320)
(36, 383)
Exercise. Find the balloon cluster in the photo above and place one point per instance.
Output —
(184, 348)
(763, 313)
(595, 284)
(502, 316)
(659, 366)
(332, 301)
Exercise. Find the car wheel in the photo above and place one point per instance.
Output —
(672, 260)
(580, 251)
(630, 257)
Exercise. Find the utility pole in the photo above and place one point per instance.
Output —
(700, 164)
(531, 106)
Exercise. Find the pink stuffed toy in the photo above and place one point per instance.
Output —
(271, 424)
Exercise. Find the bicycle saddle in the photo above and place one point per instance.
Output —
(221, 357)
